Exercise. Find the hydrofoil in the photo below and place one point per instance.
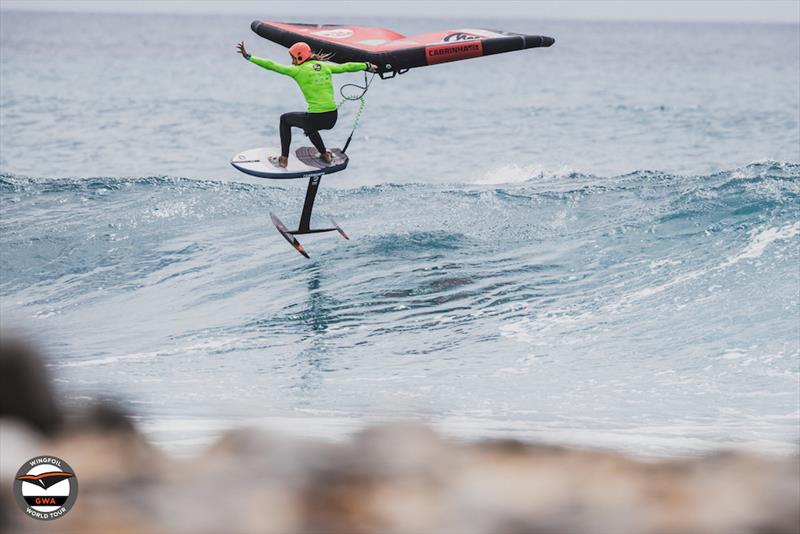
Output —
(304, 163)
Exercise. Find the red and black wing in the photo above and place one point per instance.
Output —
(46, 480)
(393, 52)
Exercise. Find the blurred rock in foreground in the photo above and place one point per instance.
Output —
(393, 479)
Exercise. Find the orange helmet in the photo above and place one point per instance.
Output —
(300, 52)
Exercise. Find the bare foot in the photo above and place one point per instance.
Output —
(283, 161)
(326, 156)
(279, 161)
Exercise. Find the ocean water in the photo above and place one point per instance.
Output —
(593, 244)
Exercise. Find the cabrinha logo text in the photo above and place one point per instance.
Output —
(45, 487)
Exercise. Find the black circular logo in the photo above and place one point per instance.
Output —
(460, 36)
(45, 487)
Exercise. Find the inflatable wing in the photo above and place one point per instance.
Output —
(392, 52)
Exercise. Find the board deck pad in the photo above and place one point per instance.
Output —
(304, 162)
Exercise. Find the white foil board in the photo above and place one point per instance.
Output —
(303, 162)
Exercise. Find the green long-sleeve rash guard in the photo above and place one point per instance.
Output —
(314, 79)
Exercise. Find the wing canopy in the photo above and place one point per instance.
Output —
(393, 52)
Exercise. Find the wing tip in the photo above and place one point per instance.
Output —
(538, 41)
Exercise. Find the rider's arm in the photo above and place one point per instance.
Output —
(354, 66)
(289, 70)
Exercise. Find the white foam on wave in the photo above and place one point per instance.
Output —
(202, 347)
(565, 325)
(542, 329)
(514, 174)
(759, 241)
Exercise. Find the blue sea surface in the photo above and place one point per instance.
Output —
(595, 243)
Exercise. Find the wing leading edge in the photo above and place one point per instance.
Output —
(393, 52)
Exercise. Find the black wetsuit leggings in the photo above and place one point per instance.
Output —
(311, 123)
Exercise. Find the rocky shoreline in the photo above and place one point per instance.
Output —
(395, 478)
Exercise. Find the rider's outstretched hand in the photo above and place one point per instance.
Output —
(241, 49)
(371, 67)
